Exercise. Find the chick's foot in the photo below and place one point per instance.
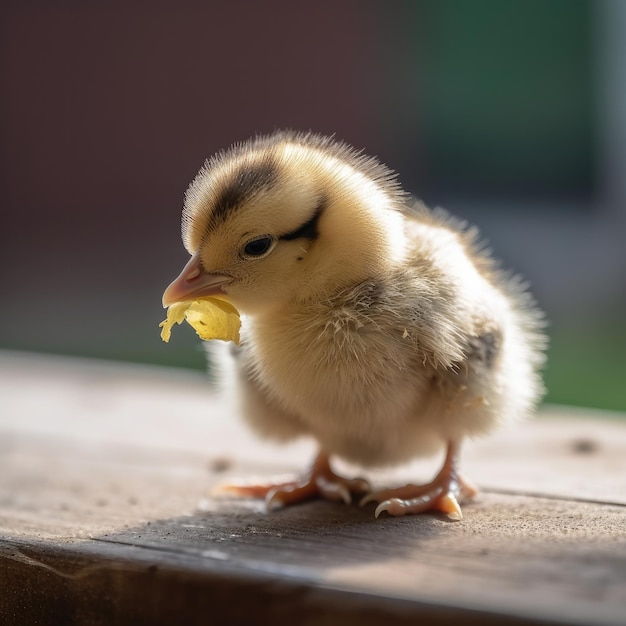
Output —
(319, 482)
(442, 495)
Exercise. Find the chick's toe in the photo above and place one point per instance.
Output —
(442, 494)
(319, 482)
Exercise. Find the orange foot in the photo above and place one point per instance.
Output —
(442, 494)
(319, 482)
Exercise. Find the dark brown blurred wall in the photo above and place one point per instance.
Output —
(108, 111)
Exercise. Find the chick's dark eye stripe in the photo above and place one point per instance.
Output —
(308, 230)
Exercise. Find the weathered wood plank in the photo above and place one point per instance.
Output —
(106, 515)
(93, 585)
(564, 562)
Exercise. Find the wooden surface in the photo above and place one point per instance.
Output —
(106, 516)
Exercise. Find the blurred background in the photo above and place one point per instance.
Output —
(511, 115)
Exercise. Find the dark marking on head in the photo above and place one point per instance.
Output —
(244, 184)
(308, 230)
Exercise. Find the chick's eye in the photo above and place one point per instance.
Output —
(258, 247)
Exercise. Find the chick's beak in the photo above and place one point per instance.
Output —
(193, 282)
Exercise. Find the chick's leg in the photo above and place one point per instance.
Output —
(319, 482)
(442, 494)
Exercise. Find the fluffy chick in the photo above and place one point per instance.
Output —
(372, 324)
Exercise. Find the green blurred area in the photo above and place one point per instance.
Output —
(587, 366)
(506, 98)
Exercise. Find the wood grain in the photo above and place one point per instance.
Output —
(107, 516)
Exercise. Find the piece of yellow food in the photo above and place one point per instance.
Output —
(211, 318)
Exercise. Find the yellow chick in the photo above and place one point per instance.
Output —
(372, 324)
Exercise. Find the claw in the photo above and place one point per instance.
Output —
(333, 491)
(366, 499)
(385, 506)
(275, 500)
(449, 505)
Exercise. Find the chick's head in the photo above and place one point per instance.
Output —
(285, 218)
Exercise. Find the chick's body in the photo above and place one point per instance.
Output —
(393, 367)
(372, 324)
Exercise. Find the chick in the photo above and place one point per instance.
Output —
(372, 324)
